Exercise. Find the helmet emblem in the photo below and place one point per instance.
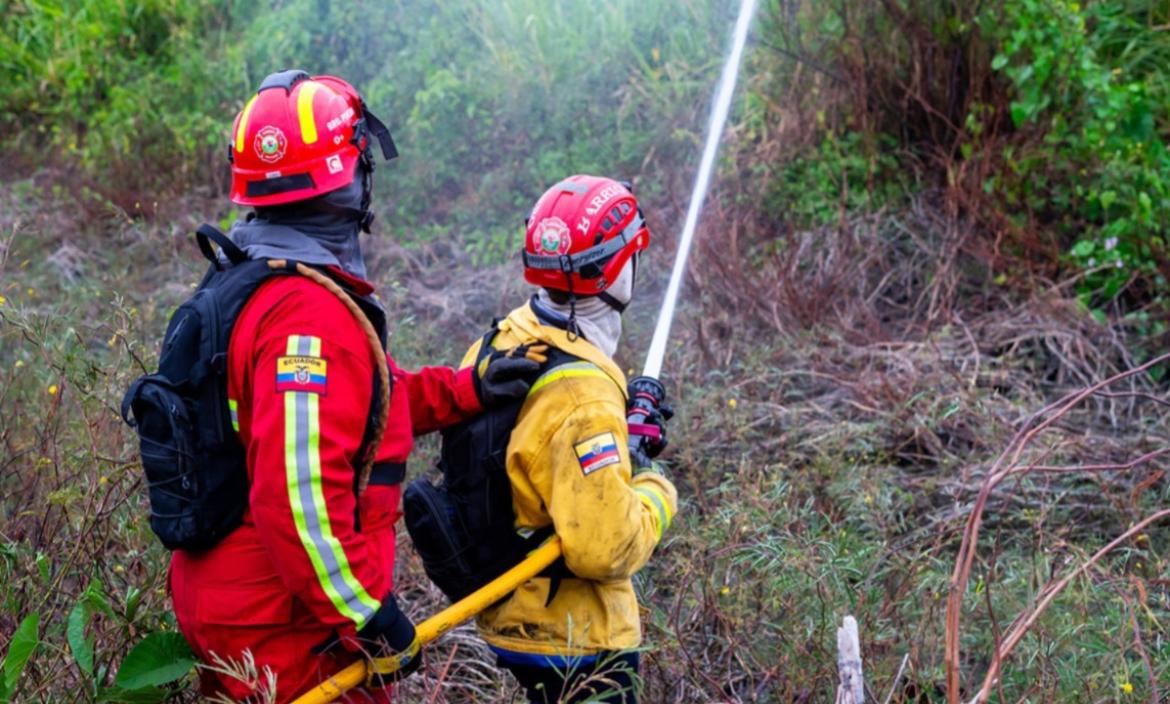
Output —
(270, 144)
(551, 236)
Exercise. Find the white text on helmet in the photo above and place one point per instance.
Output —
(339, 120)
(598, 202)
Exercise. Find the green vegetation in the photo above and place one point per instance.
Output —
(1092, 82)
(488, 100)
(1044, 120)
(913, 245)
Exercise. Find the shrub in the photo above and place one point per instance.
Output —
(1089, 89)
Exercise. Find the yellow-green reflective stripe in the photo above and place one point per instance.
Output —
(305, 111)
(234, 409)
(242, 128)
(307, 500)
(567, 371)
(657, 502)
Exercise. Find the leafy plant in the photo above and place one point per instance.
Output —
(24, 641)
(158, 659)
(1086, 82)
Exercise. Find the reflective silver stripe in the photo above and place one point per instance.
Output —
(309, 510)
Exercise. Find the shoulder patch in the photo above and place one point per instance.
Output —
(301, 373)
(597, 452)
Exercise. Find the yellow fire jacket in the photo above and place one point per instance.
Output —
(569, 465)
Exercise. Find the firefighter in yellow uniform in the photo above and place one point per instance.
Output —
(579, 457)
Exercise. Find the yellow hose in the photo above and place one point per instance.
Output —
(435, 626)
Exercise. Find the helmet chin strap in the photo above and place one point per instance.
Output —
(611, 300)
(573, 330)
(368, 126)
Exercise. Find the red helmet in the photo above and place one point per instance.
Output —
(301, 137)
(581, 234)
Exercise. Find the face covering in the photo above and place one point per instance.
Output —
(306, 234)
(600, 323)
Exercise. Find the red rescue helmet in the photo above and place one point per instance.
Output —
(300, 137)
(581, 234)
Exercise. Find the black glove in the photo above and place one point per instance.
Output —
(646, 416)
(391, 645)
(505, 375)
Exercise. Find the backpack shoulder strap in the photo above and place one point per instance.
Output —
(485, 342)
(562, 365)
(206, 234)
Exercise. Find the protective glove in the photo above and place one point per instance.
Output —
(505, 375)
(646, 416)
(391, 644)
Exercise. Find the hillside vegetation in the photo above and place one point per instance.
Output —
(936, 230)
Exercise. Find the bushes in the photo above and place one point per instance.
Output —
(1042, 122)
(111, 83)
(1090, 92)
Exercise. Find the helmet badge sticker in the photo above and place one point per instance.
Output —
(551, 236)
(333, 163)
(270, 144)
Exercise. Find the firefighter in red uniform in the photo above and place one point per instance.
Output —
(305, 585)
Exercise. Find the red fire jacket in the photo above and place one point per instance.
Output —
(298, 570)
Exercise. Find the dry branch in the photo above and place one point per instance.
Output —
(1006, 464)
(1025, 620)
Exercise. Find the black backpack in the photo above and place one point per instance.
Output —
(193, 460)
(463, 528)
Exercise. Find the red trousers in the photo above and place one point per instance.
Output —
(230, 600)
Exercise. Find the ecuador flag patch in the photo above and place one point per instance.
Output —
(597, 452)
(301, 373)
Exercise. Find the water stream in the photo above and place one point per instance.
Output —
(719, 112)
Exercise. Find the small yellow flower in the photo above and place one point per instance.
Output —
(53, 389)
(3, 300)
(725, 590)
(868, 499)
(19, 363)
(118, 569)
(31, 292)
(103, 481)
(732, 403)
(1127, 688)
